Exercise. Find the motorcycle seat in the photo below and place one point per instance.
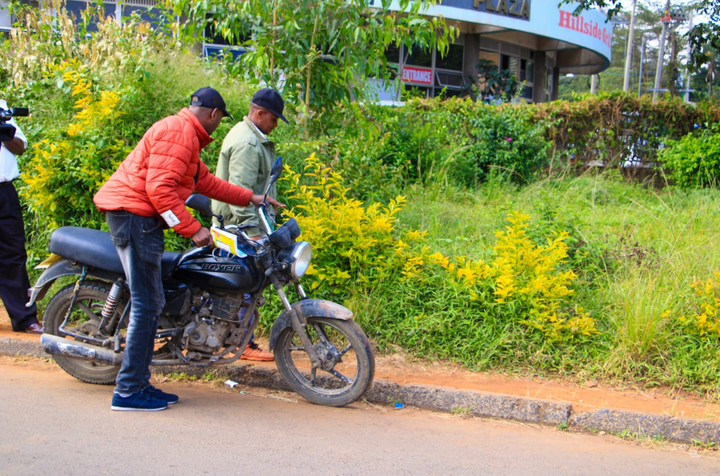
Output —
(95, 248)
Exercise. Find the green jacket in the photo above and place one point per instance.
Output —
(245, 159)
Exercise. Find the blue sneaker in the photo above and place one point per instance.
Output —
(137, 402)
(158, 394)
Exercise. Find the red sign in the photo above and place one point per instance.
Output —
(579, 24)
(416, 75)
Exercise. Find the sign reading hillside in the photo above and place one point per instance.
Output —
(581, 25)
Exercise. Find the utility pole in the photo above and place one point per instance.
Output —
(628, 56)
(661, 52)
(642, 62)
(687, 66)
(118, 12)
(672, 69)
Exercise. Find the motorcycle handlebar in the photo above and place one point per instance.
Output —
(264, 218)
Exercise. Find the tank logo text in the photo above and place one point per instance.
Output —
(225, 268)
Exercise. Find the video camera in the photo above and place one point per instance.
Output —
(7, 131)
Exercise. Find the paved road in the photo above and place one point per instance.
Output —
(53, 424)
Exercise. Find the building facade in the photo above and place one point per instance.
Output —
(535, 40)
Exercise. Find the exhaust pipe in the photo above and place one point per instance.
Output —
(55, 345)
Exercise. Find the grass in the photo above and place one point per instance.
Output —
(465, 412)
(636, 252)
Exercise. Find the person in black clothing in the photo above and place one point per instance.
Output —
(14, 281)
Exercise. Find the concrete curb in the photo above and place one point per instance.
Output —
(481, 404)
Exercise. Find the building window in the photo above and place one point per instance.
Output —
(527, 75)
(77, 8)
(510, 63)
(212, 36)
(453, 59)
(549, 83)
(392, 54)
(420, 57)
(527, 71)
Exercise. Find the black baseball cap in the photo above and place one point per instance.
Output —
(270, 100)
(208, 97)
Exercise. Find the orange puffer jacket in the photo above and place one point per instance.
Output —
(161, 173)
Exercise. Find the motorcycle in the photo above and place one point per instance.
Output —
(212, 295)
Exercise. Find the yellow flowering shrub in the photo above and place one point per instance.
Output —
(70, 163)
(525, 279)
(531, 275)
(704, 321)
(351, 243)
(359, 248)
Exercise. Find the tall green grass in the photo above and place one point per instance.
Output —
(636, 252)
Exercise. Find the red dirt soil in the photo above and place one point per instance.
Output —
(400, 369)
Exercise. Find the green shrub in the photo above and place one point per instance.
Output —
(507, 142)
(694, 160)
(441, 141)
(613, 128)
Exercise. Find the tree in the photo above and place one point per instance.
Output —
(706, 80)
(700, 36)
(318, 52)
(705, 36)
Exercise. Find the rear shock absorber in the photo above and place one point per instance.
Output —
(112, 302)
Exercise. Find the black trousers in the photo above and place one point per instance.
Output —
(14, 282)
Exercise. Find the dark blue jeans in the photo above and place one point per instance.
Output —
(140, 244)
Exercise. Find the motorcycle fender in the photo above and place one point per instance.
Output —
(309, 308)
(59, 269)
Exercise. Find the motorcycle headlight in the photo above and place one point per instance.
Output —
(298, 256)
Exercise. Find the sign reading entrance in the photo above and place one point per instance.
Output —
(416, 75)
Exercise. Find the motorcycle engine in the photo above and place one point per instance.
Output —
(214, 319)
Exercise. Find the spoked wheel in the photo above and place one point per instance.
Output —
(348, 362)
(84, 320)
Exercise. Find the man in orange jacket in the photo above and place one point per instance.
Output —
(146, 194)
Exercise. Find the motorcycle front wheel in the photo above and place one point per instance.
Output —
(348, 361)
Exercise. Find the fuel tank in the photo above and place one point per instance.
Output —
(215, 269)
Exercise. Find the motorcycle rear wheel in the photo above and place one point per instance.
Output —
(84, 319)
(349, 362)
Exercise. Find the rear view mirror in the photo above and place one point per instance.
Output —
(200, 203)
(276, 170)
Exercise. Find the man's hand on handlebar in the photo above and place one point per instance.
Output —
(257, 200)
(202, 237)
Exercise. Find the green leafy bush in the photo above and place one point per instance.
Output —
(506, 142)
(613, 128)
(441, 141)
(694, 160)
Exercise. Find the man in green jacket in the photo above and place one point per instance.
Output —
(246, 157)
